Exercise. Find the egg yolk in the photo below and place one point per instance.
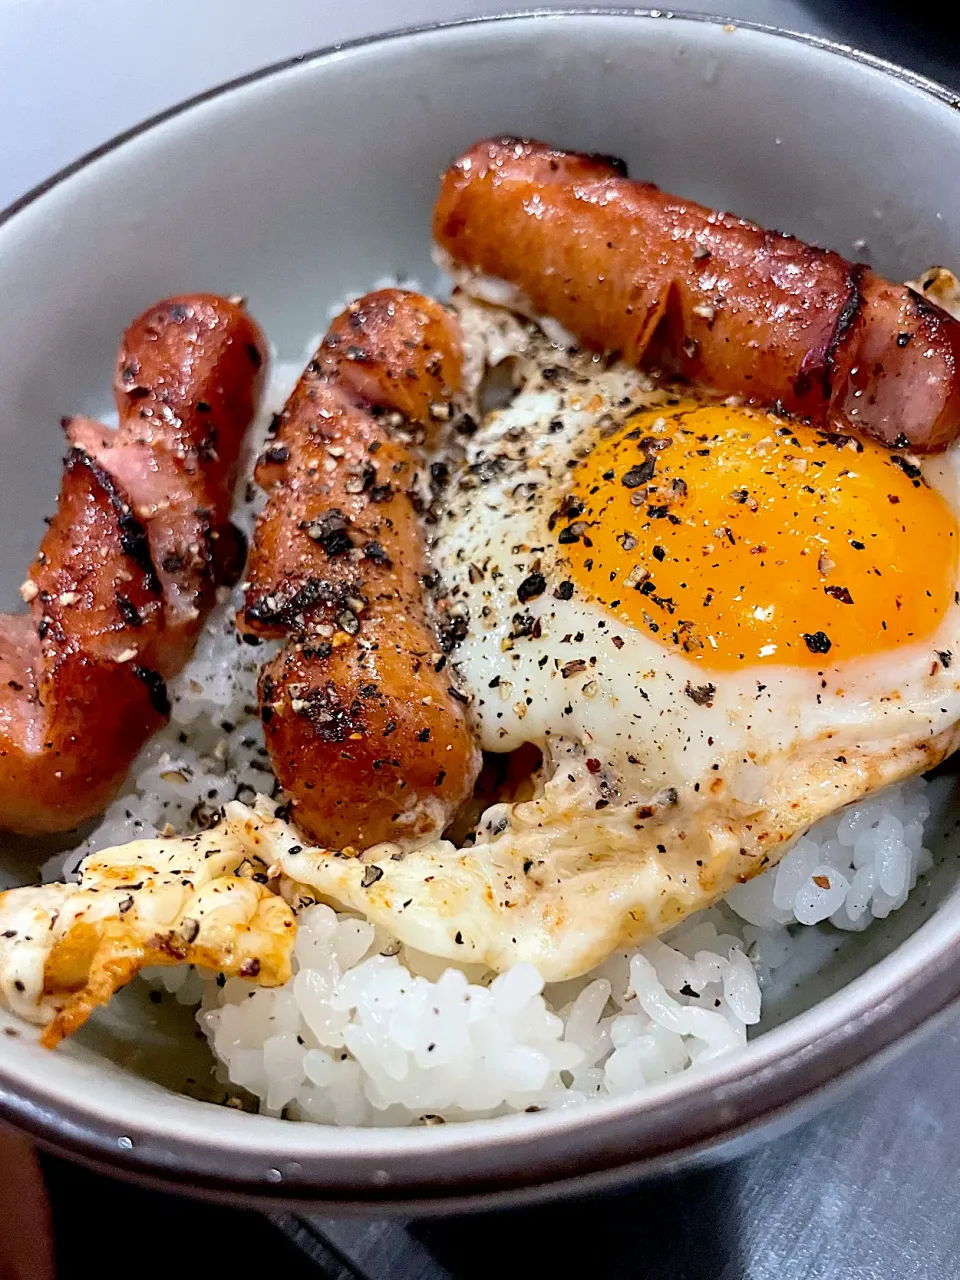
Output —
(739, 537)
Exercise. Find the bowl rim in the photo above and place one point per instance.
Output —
(926, 84)
(568, 1152)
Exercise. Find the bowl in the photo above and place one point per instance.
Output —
(307, 181)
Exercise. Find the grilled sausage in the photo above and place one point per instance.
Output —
(713, 298)
(366, 730)
(129, 565)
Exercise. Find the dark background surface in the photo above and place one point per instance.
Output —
(869, 1191)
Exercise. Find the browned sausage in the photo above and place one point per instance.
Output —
(366, 730)
(716, 299)
(129, 566)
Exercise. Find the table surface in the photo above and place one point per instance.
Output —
(865, 1192)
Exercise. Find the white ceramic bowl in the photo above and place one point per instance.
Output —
(307, 180)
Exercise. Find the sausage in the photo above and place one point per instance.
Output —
(366, 729)
(130, 563)
(703, 295)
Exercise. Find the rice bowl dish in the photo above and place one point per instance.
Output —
(354, 1002)
(370, 1031)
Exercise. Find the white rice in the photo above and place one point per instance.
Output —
(362, 1036)
(368, 1032)
(851, 868)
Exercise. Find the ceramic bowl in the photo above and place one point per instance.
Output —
(308, 180)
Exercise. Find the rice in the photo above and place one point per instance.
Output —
(853, 867)
(368, 1032)
(359, 1036)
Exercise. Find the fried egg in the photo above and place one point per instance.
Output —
(67, 948)
(715, 625)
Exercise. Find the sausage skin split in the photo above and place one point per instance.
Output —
(130, 563)
(710, 297)
(365, 727)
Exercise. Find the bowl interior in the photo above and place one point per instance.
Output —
(309, 183)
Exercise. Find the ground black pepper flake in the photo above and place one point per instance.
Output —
(640, 474)
(532, 586)
(375, 553)
(317, 649)
(371, 874)
(571, 534)
(331, 532)
(156, 689)
(564, 591)
(839, 593)
(909, 469)
(452, 629)
(189, 929)
(817, 642)
(701, 694)
(129, 611)
(524, 624)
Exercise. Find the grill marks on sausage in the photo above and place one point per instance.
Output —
(818, 366)
(129, 564)
(133, 535)
(362, 726)
(287, 605)
(703, 294)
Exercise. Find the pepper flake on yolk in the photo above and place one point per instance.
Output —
(739, 537)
